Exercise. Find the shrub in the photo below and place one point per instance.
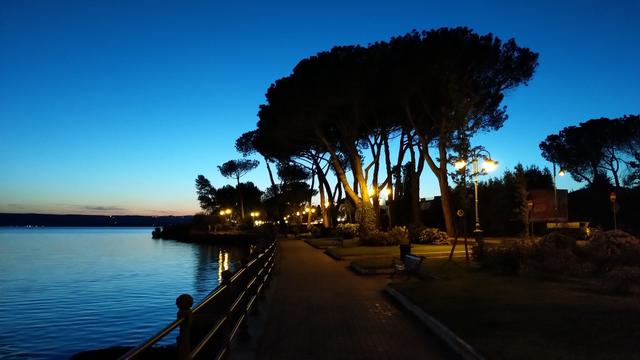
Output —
(549, 261)
(553, 256)
(432, 236)
(414, 232)
(398, 235)
(558, 240)
(375, 238)
(505, 261)
(348, 231)
(608, 249)
(623, 280)
(323, 231)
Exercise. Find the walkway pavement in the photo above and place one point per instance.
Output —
(318, 309)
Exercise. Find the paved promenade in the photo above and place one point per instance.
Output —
(318, 309)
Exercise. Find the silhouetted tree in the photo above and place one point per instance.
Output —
(206, 194)
(227, 197)
(236, 169)
(596, 148)
(453, 82)
(431, 88)
(251, 195)
(245, 145)
(632, 149)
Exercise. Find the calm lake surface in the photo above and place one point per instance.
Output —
(65, 290)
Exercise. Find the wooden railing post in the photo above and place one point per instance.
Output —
(183, 342)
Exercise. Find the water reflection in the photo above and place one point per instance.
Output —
(223, 263)
(76, 279)
(212, 261)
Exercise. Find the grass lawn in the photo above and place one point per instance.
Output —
(321, 243)
(325, 243)
(376, 263)
(430, 251)
(522, 318)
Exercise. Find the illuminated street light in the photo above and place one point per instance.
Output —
(487, 165)
(227, 212)
(460, 164)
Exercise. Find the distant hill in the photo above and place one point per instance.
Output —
(7, 219)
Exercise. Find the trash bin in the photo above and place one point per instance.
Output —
(404, 250)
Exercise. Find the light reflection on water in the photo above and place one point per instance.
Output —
(223, 260)
(64, 290)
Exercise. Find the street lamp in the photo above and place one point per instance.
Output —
(612, 198)
(487, 165)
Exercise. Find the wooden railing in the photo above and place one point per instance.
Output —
(209, 328)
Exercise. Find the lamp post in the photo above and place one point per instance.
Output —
(612, 198)
(529, 213)
(227, 212)
(255, 217)
(487, 166)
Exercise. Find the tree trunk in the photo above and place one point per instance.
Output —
(313, 180)
(323, 185)
(323, 206)
(273, 183)
(413, 180)
(241, 198)
(443, 179)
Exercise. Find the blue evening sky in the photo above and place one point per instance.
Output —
(114, 107)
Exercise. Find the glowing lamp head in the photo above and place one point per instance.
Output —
(489, 165)
(460, 164)
(561, 172)
(221, 212)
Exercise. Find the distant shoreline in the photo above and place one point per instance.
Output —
(54, 220)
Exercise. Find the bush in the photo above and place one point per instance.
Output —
(609, 249)
(348, 231)
(558, 240)
(398, 235)
(553, 256)
(375, 238)
(432, 236)
(623, 280)
(321, 231)
(505, 261)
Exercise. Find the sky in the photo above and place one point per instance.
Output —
(114, 107)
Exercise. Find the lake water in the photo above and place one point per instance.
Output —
(65, 290)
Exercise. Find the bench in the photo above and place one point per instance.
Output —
(409, 265)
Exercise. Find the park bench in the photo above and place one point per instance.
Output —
(408, 265)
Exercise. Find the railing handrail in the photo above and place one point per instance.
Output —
(153, 340)
(215, 293)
